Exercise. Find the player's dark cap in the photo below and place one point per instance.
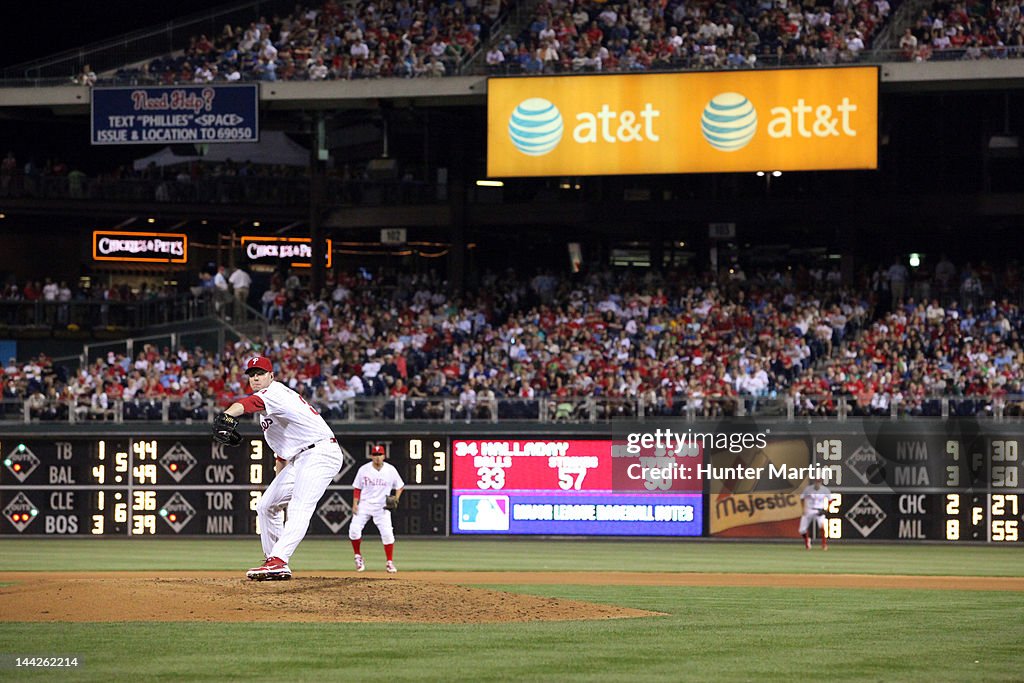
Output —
(258, 364)
(377, 449)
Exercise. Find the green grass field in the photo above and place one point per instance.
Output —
(710, 634)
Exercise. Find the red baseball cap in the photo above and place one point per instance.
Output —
(259, 363)
(377, 449)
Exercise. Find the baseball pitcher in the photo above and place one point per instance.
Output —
(303, 443)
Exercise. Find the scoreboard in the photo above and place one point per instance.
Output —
(914, 480)
(925, 484)
(564, 486)
(70, 484)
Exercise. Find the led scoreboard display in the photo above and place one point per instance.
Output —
(189, 484)
(901, 480)
(958, 483)
(565, 486)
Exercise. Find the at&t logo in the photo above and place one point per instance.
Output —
(729, 122)
(535, 126)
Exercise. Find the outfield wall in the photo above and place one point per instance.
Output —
(954, 480)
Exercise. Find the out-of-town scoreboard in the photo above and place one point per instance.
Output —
(950, 481)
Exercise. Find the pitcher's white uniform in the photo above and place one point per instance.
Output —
(374, 486)
(299, 436)
(815, 504)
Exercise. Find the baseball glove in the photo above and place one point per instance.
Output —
(225, 430)
(391, 503)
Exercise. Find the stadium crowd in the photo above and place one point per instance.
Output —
(642, 35)
(973, 29)
(402, 38)
(333, 41)
(670, 344)
(371, 39)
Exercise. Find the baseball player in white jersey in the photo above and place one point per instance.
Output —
(311, 458)
(815, 499)
(371, 498)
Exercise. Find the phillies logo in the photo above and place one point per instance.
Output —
(265, 423)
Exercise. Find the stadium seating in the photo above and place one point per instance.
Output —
(609, 344)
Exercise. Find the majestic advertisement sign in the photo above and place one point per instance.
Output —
(784, 120)
(178, 114)
(295, 251)
(144, 247)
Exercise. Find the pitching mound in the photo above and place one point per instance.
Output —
(305, 599)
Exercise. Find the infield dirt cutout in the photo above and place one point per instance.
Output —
(435, 597)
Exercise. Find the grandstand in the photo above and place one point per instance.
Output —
(566, 298)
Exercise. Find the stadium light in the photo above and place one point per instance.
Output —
(490, 183)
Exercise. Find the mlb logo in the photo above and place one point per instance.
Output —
(483, 513)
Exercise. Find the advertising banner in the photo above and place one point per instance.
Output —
(143, 247)
(293, 251)
(766, 120)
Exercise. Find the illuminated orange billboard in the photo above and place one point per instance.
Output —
(140, 247)
(784, 120)
(296, 251)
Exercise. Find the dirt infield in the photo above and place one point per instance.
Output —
(437, 597)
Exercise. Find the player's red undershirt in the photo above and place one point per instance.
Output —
(253, 404)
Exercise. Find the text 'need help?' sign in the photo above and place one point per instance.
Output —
(175, 115)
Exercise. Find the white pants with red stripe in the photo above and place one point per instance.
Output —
(298, 487)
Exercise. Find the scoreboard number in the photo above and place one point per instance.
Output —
(834, 525)
(999, 502)
(1004, 451)
(1004, 530)
(829, 449)
(1005, 475)
(491, 478)
(143, 524)
(566, 480)
(952, 510)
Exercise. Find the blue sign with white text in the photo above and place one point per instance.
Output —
(180, 114)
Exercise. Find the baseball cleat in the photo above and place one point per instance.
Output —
(274, 569)
(391, 568)
(807, 542)
(360, 565)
